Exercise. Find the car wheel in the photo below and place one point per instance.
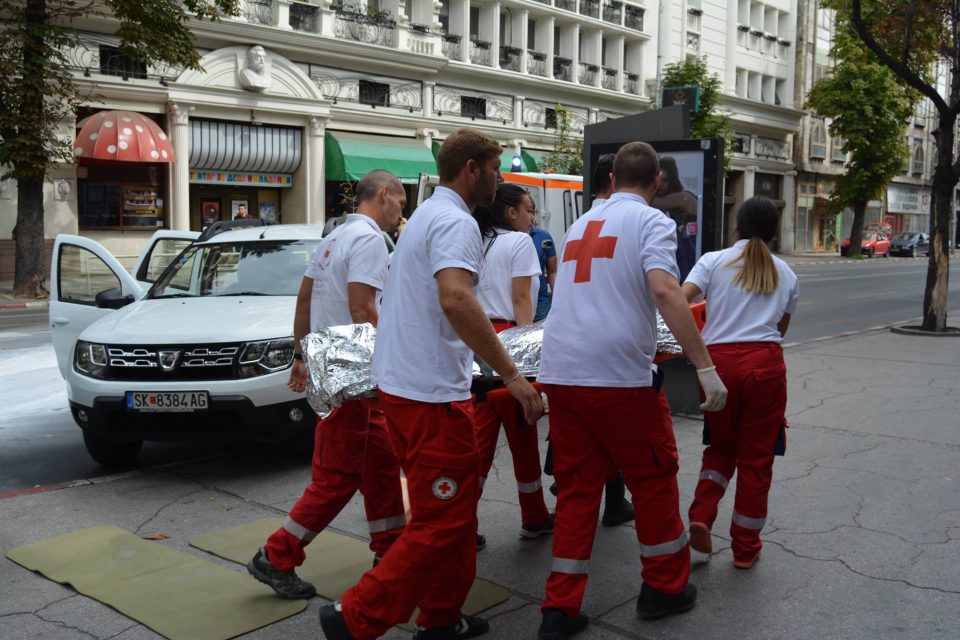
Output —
(868, 254)
(110, 453)
(886, 254)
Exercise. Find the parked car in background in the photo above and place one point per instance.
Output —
(872, 244)
(880, 227)
(910, 243)
(202, 353)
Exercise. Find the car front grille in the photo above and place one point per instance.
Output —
(173, 362)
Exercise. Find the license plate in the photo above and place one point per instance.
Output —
(167, 401)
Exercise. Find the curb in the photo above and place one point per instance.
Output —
(39, 304)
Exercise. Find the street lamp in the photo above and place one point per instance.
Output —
(517, 164)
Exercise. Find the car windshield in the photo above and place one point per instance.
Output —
(869, 236)
(906, 235)
(259, 268)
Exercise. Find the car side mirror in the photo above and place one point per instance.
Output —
(112, 298)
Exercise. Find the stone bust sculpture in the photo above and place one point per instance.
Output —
(256, 75)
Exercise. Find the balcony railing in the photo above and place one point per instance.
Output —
(609, 80)
(547, 2)
(563, 68)
(588, 74)
(259, 12)
(612, 12)
(590, 8)
(511, 58)
(480, 52)
(536, 63)
(632, 83)
(353, 23)
(450, 46)
(634, 18)
(567, 5)
(304, 17)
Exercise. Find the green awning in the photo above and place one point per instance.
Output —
(527, 161)
(350, 156)
(534, 158)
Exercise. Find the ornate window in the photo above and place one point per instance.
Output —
(918, 159)
(818, 141)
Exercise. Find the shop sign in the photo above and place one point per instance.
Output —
(906, 199)
(241, 178)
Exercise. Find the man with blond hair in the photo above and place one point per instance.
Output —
(430, 325)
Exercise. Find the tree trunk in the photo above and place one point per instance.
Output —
(938, 264)
(29, 255)
(856, 232)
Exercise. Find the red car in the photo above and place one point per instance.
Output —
(872, 244)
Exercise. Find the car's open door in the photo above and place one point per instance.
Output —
(160, 251)
(86, 283)
(426, 186)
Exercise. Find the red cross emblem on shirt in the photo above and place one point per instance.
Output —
(444, 487)
(590, 246)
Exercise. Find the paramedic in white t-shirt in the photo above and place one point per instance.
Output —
(430, 325)
(617, 267)
(352, 448)
(507, 290)
(751, 295)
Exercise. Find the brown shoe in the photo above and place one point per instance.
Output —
(746, 564)
(700, 537)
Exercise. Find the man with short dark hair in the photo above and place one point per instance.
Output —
(430, 326)
(352, 448)
(617, 262)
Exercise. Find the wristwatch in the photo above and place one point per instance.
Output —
(298, 356)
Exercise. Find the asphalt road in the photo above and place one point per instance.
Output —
(40, 444)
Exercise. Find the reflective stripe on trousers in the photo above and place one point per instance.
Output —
(748, 523)
(529, 487)
(297, 530)
(664, 548)
(566, 565)
(386, 524)
(716, 476)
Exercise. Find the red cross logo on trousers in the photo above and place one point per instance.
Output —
(444, 487)
(590, 246)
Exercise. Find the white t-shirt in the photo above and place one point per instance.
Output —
(418, 355)
(509, 255)
(602, 327)
(353, 252)
(737, 315)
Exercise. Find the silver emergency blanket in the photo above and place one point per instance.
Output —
(338, 359)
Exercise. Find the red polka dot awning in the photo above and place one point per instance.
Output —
(122, 136)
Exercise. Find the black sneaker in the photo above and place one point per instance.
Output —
(332, 622)
(557, 626)
(653, 604)
(481, 542)
(614, 516)
(468, 627)
(545, 528)
(287, 585)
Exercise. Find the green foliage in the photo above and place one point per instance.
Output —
(705, 123)
(567, 153)
(869, 109)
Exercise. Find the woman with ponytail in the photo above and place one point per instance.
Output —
(750, 295)
(507, 291)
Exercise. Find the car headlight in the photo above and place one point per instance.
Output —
(265, 356)
(91, 359)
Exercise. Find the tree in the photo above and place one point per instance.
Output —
(869, 110)
(38, 90)
(912, 38)
(705, 122)
(567, 154)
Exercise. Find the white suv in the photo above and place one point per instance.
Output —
(190, 346)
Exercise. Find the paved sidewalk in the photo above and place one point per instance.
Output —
(862, 538)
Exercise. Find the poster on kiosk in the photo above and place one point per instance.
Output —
(691, 175)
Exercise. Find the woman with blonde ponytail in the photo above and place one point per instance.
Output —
(750, 295)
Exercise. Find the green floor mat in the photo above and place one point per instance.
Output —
(334, 562)
(176, 594)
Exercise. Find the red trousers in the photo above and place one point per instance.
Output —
(742, 438)
(352, 450)
(433, 563)
(596, 430)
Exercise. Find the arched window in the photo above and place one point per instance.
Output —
(918, 159)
